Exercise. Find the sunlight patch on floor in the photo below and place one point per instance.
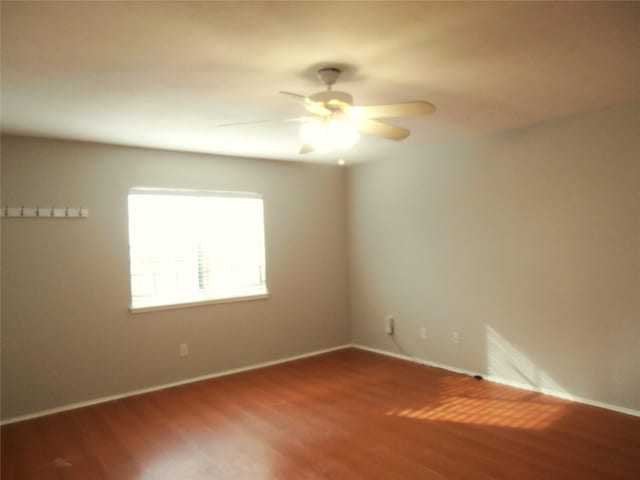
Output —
(530, 415)
(462, 402)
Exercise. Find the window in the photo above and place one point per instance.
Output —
(195, 246)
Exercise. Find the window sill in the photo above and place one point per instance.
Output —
(174, 306)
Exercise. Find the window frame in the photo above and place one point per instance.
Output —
(193, 193)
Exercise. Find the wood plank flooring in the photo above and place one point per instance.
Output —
(345, 415)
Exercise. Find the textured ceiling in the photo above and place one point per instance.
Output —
(165, 74)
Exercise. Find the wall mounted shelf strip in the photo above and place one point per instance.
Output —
(44, 212)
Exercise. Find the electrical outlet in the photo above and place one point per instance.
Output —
(184, 349)
(389, 325)
(455, 337)
(423, 333)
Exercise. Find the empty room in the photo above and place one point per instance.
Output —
(320, 240)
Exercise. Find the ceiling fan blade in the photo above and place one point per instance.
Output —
(380, 129)
(296, 119)
(302, 97)
(406, 109)
(306, 148)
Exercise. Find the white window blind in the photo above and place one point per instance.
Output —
(195, 246)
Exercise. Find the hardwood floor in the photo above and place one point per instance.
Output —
(345, 415)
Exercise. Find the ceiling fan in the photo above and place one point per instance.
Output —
(333, 122)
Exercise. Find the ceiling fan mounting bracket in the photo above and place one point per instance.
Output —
(329, 75)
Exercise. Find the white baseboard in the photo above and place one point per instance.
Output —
(521, 386)
(73, 406)
(109, 398)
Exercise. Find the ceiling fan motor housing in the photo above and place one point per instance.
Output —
(333, 100)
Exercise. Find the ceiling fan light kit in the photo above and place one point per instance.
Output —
(334, 123)
(327, 136)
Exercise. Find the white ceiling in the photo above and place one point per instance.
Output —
(165, 74)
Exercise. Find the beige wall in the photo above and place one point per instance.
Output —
(67, 334)
(526, 243)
